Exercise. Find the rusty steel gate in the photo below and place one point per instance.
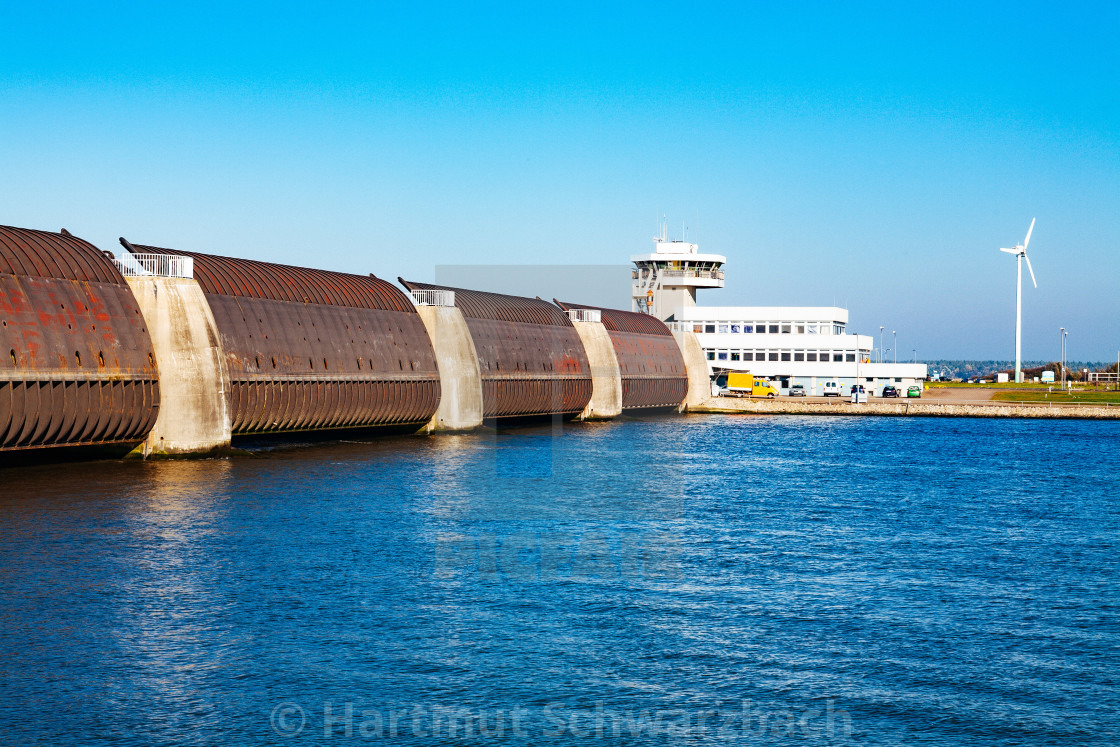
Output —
(311, 350)
(76, 360)
(530, 356)
(649, 359)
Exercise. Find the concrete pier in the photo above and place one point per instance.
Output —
(699, 372)
(194, 414)
(904, 408)
(606, 377)
(460, 404)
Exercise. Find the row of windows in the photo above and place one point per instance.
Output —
(779, 328)
(782, 355)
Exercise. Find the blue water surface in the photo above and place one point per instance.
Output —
(672, 580)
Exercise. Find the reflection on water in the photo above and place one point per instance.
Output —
(798, 580)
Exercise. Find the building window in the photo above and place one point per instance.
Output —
(898, 380)
(723, 329)
(723, 356)
(800, 329)
(710, 328)
(734, 356)
(799, 356)
(760, 329)
(851, 357)
(785, 356)
(773, 329)
(785, 329)
(711, 355)
(773, 356)
(747, 328)
(812, 329)
(734, 329)
(837, 357)
(811, 357)
(837, 329)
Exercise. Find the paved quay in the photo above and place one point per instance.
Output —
(932, 407)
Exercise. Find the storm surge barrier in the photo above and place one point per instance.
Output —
(164, 351)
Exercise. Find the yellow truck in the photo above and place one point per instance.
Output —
(742, 384)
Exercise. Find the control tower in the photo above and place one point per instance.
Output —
(666, 280)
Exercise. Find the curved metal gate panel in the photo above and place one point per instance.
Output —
(531, 358)
(76, 361)
(649, 359)
(314, 350)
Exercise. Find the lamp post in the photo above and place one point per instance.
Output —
(915, 355)
(880, 343)
(1063, 357)
(894, 333)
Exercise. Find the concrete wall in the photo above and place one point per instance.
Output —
(194, 414)
(911, 408)
(699, 373)
(606, 378)
(460, 404)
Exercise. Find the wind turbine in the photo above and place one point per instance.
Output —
(1020, 252)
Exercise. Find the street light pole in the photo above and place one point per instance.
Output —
(1064, 333)
(915, 355)
(1061, 353)
(880, 343)
(895, 343)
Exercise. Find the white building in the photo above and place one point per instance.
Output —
(785, 344)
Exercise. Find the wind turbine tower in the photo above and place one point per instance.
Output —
(1020, 252)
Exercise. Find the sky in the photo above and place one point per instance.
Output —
(874, 156)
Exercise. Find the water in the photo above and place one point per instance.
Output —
(701, 580)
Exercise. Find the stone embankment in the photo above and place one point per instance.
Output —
(905, 407)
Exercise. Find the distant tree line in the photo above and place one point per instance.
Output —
(970, 369)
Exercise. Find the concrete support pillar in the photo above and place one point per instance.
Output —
(460, 402)
(699, 371)
(194, 411)
(606, 377)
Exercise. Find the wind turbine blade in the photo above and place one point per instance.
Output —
(1010, 251)
(1029, 268)
(1028, 239)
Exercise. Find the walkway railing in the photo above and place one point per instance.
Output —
(155, 265)
(585, 315)
(431, 297)
(702, 274)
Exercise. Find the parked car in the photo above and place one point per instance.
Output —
(831, 389)
(889, 391)
(914, 391)
(797, 390)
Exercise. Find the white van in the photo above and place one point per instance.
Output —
(831, 389)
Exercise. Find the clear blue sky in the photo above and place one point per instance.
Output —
(875, 156)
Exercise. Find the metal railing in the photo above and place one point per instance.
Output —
(585, 315)
(155, 265)
(705, 274)
(432, 297)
